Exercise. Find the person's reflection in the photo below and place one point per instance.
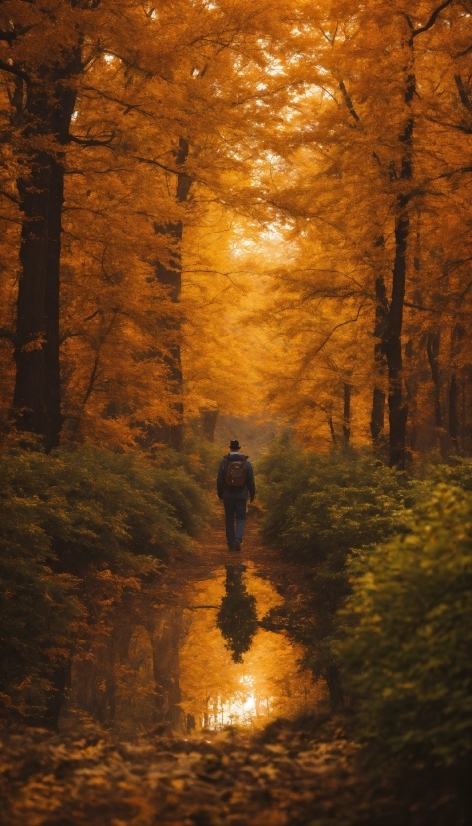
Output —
(237, 617)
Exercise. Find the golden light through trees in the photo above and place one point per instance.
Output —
(225, 219)
(344, 130)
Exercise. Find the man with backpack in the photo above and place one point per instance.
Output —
(235, 484)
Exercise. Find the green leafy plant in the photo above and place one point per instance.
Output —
(74, 521)
(407, 657)
(318, 508)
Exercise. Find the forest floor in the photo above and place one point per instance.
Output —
(302, 772)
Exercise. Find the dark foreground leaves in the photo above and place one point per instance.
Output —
(307, 773)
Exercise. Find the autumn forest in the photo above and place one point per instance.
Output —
(230, 220)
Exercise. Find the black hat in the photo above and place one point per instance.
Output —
(234, 444)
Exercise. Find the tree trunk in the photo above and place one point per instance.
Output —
(37, 389)
(432, 348)
(411, 386)
(378, 415)
(398, 410)
(165, 638)
(170, 275)
(47, 113)
(331, 429)
(453, 413)
(377, 421)
(347, 414)
(333, 681)
(209, 419)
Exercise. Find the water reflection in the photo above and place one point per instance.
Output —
(237, 617)
(265, 683)
(204, 663)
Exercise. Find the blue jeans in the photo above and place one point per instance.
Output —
(235, 509)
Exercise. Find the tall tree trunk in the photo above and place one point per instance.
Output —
(347, 414)
(411, 386)
(37, 388)
(209, 419)
(377, 421)
(335, 689)
(169, 274)
(453, 413)
(50, 101)
(457, 393)
(165, 637)
(432, 349)
(398, 410)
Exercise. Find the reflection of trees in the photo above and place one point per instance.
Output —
(237, 618)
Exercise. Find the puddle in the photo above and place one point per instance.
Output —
(202, 664)
(267, 683)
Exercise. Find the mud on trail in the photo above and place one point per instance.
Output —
(305, 771)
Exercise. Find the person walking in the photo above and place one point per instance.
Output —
(235, 485)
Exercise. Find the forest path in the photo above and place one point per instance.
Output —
(293, 774)
(304, 772)
(212, 555)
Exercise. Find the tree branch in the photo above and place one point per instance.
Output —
(10, 197)
(91, 141)
(348, 101)
(421, 307)
(160, 165)
(463, 54)
(7, 67)
(432, 19)
(463, 94)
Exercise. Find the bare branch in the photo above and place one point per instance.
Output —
(160, 165)
(11, 198)
(422, 307)
(7, 67)
(91, 141)
(463, 93)
(348, 101)
(463, 54)
(432, 19)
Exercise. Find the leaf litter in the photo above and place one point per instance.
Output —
(294, 773)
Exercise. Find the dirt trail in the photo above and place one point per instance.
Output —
(212, 553)
(295, 773)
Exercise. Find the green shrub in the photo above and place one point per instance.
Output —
(318, 508)
(408, 654)
(458, 473)
(201, 459)
(37, 609)
(324, 505)
(65, 516)
(98, 506)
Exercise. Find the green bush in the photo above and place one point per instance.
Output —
(407, 657)
(65, 515)
(201, 459)
(324, 505)
(99, 506)
(458, 473)
(37, 610)
(318, 508)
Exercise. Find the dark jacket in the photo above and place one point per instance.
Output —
(249, 489)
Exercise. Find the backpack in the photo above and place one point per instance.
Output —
(235, 473)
